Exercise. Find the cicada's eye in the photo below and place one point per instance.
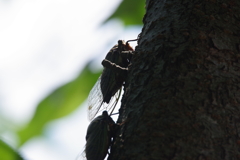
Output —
(120, 42)
(128, 47)
(105, 114)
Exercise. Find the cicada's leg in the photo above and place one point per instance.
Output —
(106, 63)
(116, 101)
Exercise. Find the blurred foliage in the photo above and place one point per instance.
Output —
(130, 12)
(59, 103)
(7, 153)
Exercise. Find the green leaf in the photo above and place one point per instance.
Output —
(7, 153)
(130, 12)
(61, 102)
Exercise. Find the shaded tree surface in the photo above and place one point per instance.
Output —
(182, 95)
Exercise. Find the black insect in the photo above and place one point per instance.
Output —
(99, 135)
(113, 76)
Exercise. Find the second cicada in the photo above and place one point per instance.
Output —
(99, 137)
(110, 82)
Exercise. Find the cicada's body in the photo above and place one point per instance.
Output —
(98, 138)
(113, 76)
(111, 80)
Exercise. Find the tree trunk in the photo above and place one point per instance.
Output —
(182, 95)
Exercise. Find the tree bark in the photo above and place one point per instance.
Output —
(182, 94)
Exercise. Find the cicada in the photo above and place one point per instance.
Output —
(111, 80)
(98, 138)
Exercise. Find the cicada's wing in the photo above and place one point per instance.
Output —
(95, 101)
(114, 100)
(81, 156)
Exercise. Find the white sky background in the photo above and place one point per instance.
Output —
(44, 44)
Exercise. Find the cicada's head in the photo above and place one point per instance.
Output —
(127, 47)
(122, 46)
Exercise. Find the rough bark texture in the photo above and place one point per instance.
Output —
(182, 95)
